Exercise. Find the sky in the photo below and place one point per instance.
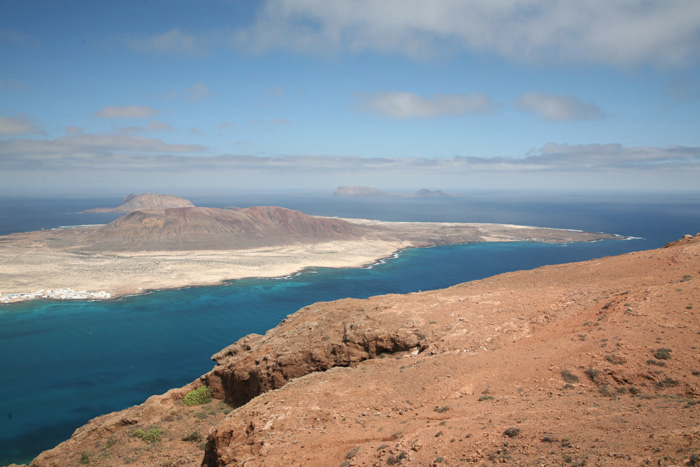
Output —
(219, 96)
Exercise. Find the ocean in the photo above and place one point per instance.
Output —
(64, 363)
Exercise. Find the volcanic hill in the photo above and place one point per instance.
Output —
(195, 228)
(593, 363)
(146, 201)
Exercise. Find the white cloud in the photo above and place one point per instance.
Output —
(78, 150)
(405, 105)
(90, 161)
(131, 111)
(18, 125)
(611, 32)
(173, 41)
(132, 152)
(558, 107)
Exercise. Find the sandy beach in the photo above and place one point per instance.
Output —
(46, 260)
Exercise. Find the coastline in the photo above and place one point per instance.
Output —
(144, 272)
(55, 261)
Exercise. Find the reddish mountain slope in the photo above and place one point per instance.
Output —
(195, 228)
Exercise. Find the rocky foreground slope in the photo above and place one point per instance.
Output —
(592, 363)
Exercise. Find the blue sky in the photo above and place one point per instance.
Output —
(222, 95)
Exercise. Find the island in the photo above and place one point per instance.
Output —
(177, 247)
(370, 192)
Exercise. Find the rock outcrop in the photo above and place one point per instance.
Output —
(146, 201)
(591, 363)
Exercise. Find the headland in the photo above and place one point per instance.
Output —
(177, 247)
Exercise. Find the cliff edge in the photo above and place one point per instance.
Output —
(591, 363)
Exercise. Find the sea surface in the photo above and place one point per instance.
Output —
(63, 363)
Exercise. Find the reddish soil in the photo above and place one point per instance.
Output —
(592, 363)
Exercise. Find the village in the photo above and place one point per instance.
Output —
(55, 294)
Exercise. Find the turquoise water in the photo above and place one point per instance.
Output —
(66, 362)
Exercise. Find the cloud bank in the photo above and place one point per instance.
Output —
(618, 33)
(126, 151)
(95, 163)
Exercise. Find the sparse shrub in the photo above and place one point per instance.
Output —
(151, 435)
(84, 458)
(352, 453)
(512, 432)
(439, 409)
(635, 391)
(195, 436)
(667, 383)
(485, 398)
(663, 354)
(201, 395)
(593, 374)
(569, 377)
(395, 460)
(651, 361)
(615, 360)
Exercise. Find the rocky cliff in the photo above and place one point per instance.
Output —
(146, 201)
(592, 363)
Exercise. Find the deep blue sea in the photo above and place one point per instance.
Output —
(63, 363)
